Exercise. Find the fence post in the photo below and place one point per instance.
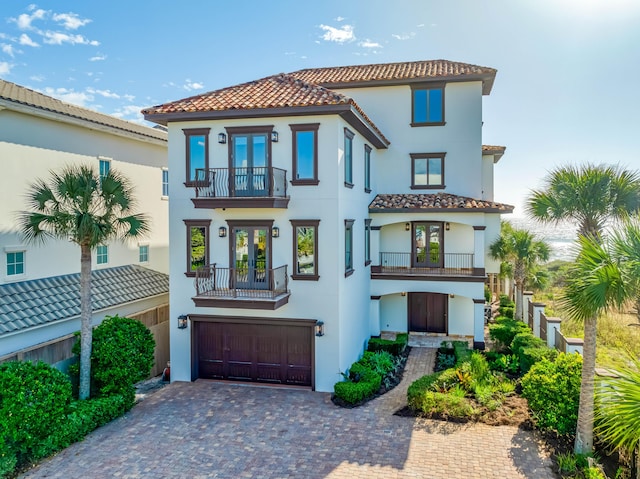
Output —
(553, 325)
(538, 309)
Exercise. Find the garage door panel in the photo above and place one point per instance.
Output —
(210, 347)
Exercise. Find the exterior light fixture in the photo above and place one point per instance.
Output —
(182, 321)
(274, 136)
(447, 226)
(407, 226)
(319, 328)
(222, 138)
(222, 232)
(275, 232)
(404, 293)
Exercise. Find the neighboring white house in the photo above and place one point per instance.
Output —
(39, 292)
(312, 210)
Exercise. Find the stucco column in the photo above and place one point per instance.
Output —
(527, 297)
(478, 324)
(538, 308)
(374, 316)
(478, 249)
(375, 245)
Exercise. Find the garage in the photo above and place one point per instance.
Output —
(253, 349)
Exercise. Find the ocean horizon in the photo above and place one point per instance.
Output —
(560, 237)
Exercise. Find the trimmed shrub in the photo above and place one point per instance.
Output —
(504, 330)
(395, 347)
(552, 389)
(461, 351)
(362, 383)
(34, 400)
(529, 356)
(507, 311)
(506, 301)
(418, 387)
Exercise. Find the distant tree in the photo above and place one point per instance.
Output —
(79, 205)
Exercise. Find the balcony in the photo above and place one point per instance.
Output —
(438, 266)
(257, 187)
(249, 288)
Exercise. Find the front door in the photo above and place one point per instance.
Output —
(427, 245)
(428, 312)
(249, 164)
(250, 254)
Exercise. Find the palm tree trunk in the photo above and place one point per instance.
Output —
(584, 432)
(86, 331)
(519, 277)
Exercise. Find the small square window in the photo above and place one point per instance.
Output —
(427, 105)
(427, 171)
(143, 253)
(15, 263)
(102, 254)
(165, 182)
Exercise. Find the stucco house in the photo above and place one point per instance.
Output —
(39, 284)
(315, 209)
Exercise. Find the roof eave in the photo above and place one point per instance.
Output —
(505, 210)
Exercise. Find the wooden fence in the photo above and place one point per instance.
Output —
(57, 352)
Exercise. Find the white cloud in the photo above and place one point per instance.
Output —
(338, 35)
(8, 49)
(339, 19)
(403, 36)
(26, 40)
(58, 38)
(5, 68)
(24, 20)
(37, 78)
(369, 44)
(130, 113)
(104, 93)
(70, 21)
(129, 97)
(420, 26)
(189, 85)
(98, 58)
(79, 98)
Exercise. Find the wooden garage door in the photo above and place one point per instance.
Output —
(264, 353)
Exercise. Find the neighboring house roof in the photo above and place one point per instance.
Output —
(398, 74)
(496, 151)
(16, 96)
(41, 301)
(277, 95)
(427, 203)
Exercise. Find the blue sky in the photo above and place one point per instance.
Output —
(567, 89)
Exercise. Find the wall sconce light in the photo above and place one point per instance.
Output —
(452, 296)
(319, 328)
(222, 138)
(275, 232)
(404, 293)
(182, 321)
(407, 226)
(274, 136)
(222, 232)
(447, 226)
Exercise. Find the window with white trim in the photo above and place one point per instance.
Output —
(165, 182)
(15, 263)
(102, 254)
(143, 253)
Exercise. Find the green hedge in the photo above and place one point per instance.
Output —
(395, 347)
(504, 330)
(507, 311)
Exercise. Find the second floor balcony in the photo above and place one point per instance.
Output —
(254, 187)
(424, 263)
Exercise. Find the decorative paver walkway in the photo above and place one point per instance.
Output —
(213, 430)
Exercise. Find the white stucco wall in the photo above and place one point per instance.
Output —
(487, 177)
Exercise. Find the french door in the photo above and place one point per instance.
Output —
(249, 160)
(251, 256)
(427, 245)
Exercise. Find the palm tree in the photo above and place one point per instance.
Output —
(79, 205)
(522, 251)
(591, 196)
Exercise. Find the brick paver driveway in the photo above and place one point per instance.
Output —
(206, 429)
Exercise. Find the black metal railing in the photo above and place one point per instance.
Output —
(246, 282)
(438, 263)
(241, 182)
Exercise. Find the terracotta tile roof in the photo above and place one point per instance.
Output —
(493, 149)
(398, 72)
(14, 93)
(434, 202)
(277, 91)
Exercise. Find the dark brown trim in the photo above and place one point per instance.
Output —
(479, 345)
(367, 241)
(305, 223)
(412, 246)
(376, 228)
(348, 226)
(232, 241)
(348, 166)
(304, 127)
(427, 86)
(367, 168)
(479, 301)
(247, 130)
(479, 228)
(264, 304)
(346, 111)
(240, 202)
(207, 237)
(438, 277)
(188, 133)
(426, 156)
(376, 298)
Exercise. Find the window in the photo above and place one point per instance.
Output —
(305, 249)
(105, 167)
(102, 254)
(427, 105)
(305, 154)
(348, 158)
(367, 169)
(348, 247)
(427, 170)
(165, 182)
(143, 253)
(367, 242)
(197, 154)
(15, 263)
(197, 245)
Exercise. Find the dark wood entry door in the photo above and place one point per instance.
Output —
(428, 312)
(254, 352)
